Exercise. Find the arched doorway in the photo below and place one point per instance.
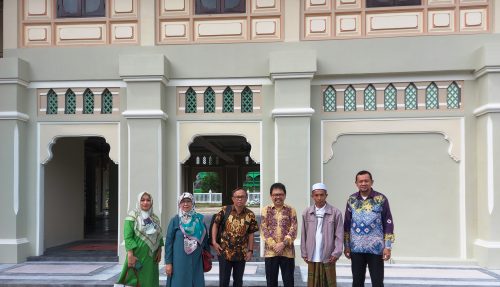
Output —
(80, 206)
(216, 166)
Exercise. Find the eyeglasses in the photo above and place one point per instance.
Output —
(278, 195)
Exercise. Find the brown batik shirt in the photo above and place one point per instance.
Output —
(234, 238)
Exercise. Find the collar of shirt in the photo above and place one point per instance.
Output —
(370, 195)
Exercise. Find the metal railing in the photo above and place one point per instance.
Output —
(214, 197)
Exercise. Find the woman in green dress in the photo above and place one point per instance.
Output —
(143, 242)
(186, 237)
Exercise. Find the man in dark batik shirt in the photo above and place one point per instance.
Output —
(369, 231)
(237, 239)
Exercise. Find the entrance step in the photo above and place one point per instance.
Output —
(84, 251)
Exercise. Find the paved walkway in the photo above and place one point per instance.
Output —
(105, 274)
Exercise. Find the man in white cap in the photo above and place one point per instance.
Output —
(322, 239)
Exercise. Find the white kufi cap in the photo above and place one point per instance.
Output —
(319, 185)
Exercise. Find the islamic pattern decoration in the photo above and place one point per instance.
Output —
(88, 102)
(330, 100)
(228, 100)
(390, 98)
(350, 99)
(69, 102)
(209, 100)
(246, 100)
(432, 97)
(107, 102)
(190, 101)
(453, 97)
(370, 98)
(51, 102)
(411, 102)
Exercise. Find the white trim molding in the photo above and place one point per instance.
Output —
(486, 70)
(487, 244)
(297, 75)
(16, 241)
(219, 82)
(14, 81)
(145, 114)
(77, 84)
(162, 79)
(14, 115)
(486, 109)
(292, 112)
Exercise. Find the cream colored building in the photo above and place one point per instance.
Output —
(95, 109)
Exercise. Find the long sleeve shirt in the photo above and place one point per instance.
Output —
(278, 225)
(368, 223)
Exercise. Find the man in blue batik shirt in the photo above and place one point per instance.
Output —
(368, 231)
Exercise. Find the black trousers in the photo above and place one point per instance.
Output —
(225, 268)
(375, 266)
(287, 266)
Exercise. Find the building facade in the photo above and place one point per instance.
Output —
(100, 100)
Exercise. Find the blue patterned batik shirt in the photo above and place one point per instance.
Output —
(368, 226)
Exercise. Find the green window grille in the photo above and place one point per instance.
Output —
(51, 102)
(88, 102)
(370, 96)
(330, 100)
(246, 100)
(106, 102)
(432, 96)
(411, 101)
(228, 101)
(69, 102)
(390, 98)
(190, 101)
(350, 99)
(209, 100)
(453, 96)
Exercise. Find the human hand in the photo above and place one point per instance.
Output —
(332, 259)
(278, 247)
(158, 256)
(168, 269)
(248, 255)
(387, 254)
(347, 253)
(217, 248)
(305, 259)
(131, 259)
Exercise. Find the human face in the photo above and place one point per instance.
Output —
(364, 183)
(278, 197)
(319, 197)
(146, 202)
(186, 204)
(240, 198)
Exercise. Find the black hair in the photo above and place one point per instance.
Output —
(277, 185)
(239, 188)
(362, 173)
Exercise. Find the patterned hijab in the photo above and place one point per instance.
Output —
(191, 225)
(146, 224)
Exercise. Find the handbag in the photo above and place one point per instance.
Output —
(120, 284)
(207, 260)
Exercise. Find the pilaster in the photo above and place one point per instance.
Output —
(292, 72)
(146, 77)
(487, 244)
(14, 244)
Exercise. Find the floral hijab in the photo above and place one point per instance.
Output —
(146, 224)
(191, 225)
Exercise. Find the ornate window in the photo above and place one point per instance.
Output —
(106, 102)
(219, 6)
(350, 99)
(69, 102)
(228, 100)
(432, 96)
(330, 100)
(81, 8)
(390, 98)
(88, 102)
(246, 100)
(209, 100)
(51, 102)
(190, 101)
(453, 96)
(386, 3)
(411, 101)
(370, 96)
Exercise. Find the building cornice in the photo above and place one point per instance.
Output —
(486, 109)
(145, 114)
(129, 79)
(487, 70)
(292, 112)
(17, 81)
(292, 75)
(14, 115)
